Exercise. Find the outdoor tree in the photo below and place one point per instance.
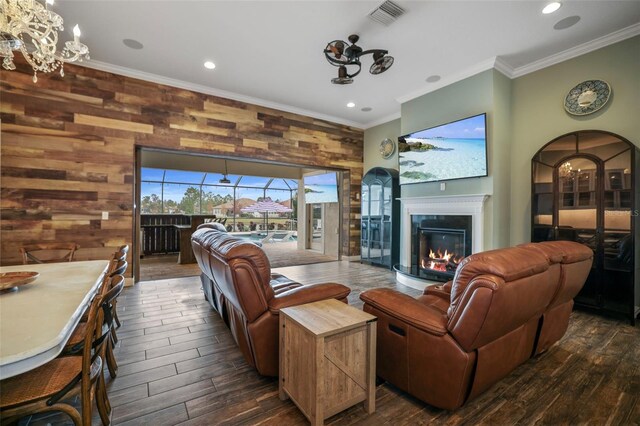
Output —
(170, 206)
(151, 204)
(190, 203)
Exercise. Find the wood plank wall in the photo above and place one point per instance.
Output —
(68, 144)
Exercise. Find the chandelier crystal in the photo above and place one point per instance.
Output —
(29, 27)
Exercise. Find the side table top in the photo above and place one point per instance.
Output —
(327, 316)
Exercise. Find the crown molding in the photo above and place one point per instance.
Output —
(496, 63)
(382, 120)
(502, 66)
(581, 49)
(142, 75)
(432, 87)
(506, 69)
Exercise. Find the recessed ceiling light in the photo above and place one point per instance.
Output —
(209, 65)
(551, 7)
(132, 44)
(366, 109)
(433, 78)
(351, 104)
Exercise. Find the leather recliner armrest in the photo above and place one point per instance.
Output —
(406, 309)
(308, 294)
(443, 291)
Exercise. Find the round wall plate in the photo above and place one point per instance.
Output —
(387, 148)
(587, 97)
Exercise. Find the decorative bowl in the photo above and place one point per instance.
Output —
(12, 280)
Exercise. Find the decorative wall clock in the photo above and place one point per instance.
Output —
(387, 148)
(587, 97)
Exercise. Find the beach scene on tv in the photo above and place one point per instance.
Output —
(451, 151)
(322, 188)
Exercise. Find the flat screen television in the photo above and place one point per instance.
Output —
(455, 150)
(321, 188)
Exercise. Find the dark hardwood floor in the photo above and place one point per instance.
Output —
(179, 365)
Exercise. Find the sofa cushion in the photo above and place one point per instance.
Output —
(226, 247)
(510, 264)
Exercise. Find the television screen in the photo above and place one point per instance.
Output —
(451, 151)
(321, 188)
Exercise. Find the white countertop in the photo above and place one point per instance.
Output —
(37, 320)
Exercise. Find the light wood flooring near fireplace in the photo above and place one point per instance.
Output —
(179, 365)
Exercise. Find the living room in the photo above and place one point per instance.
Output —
(72, 148)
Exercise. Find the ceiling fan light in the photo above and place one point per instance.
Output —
(342, 80)
(224, 180)
(381, 65)
(343, 76)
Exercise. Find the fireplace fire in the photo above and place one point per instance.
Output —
(440, 250)
(438, 245)
(442, 262)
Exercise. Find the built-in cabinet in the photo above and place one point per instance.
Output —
(585, 188)
(380, 212)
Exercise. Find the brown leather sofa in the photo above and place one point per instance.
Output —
(238, 282)
(457, 340)
(574, 261)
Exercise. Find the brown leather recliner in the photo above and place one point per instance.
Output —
(574, 261)
(457, 340)
(239, 284)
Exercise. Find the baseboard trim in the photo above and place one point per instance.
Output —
(351, 258)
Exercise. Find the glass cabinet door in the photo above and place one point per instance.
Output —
(618, 253)
(364, 223)
(375, 222)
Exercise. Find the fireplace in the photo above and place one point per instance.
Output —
(440, 250)
(439, 243)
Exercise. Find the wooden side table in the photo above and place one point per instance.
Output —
(327, 358)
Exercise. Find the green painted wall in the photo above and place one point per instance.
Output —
(500, 160)
(522, 115)
(539, 116)
(465, 98)
(372, 138)
(474, 95)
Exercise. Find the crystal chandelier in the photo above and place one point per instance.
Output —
(30, 27)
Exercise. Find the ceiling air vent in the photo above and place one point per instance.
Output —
(386, 13)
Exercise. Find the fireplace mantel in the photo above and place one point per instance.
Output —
(472, 205)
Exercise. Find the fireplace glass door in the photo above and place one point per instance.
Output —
(440, 250)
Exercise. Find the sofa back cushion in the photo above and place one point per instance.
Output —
(495, 292)
(575, 261)
(240, 269)
(508, 264)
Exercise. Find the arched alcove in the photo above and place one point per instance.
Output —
(585, 189)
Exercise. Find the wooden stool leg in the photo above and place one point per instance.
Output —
(114, 336)
(111, 360)
(115, 313)
(102, 401)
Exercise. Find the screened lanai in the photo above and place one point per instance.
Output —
(181, 192)
(174, 201)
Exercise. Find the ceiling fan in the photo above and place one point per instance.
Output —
(224, 179)
(346, 57)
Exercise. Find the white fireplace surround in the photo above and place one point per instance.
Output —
(447, 205)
